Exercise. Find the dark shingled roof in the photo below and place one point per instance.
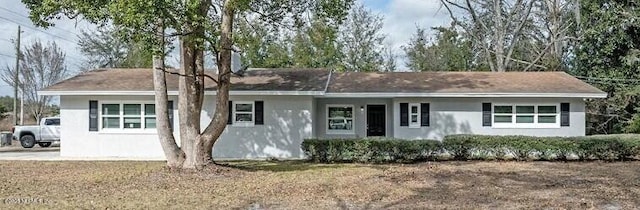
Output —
(458, 82)
(142, 80)
(351, 82)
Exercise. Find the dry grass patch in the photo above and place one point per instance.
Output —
(300, 185)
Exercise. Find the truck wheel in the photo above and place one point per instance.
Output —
(27, 141)
(44, 144)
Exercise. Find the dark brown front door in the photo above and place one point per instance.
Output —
(376, 120)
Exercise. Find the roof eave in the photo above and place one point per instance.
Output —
(174, 93)
(468, 95)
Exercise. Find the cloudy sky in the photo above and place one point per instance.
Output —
(401, 19)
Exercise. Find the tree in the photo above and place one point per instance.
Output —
(362, 41)
(317, 46)
(199, 25)
(449, 52)
(607, 56)
(104, 48)
(40, 67)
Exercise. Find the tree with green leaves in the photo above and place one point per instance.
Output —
(316, 46)
(104, 48)
(199, 26)
(448, 52)
(362, 41)
(608, 54)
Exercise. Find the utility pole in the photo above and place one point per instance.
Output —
(16, 80)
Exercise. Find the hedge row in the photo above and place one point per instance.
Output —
(473, 147)
(375, 150)
(606, 147)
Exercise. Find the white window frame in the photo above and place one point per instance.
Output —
(121, 117)
(353, 119)
(418, 122)
(535, 123)
(244, 123)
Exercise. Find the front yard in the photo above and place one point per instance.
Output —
(299, 185)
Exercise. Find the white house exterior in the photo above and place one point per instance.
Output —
(109, 113)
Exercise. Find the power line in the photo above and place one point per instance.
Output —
(10, 56)
(27, 17)
(608, 79)
(54, 35)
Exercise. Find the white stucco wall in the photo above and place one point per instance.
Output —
(77, 141)
(464, 116)
(288, 120)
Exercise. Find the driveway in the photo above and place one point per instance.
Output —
(30, 155)
(16, 152)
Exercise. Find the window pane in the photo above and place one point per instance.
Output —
(524, 119)
(244, 107)
(132, 109)
(414, 118)
(414, 109)
(502, 119)
(150, 109)
(340, 124)
(338, 112)
(132, 122)
(503, 109)
(110, 122)
(547, 109)
(111, 109)
(150, 122)
(244, 117)
(525, 109)
(546, 119)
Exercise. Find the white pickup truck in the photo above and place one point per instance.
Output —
(44, 134)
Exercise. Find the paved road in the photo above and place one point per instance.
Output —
(40, 155)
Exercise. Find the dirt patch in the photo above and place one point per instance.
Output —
(300, 185)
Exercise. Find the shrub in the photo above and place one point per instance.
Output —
(467, 147)
(370, 150)
(607, 147)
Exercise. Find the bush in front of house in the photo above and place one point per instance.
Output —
(605, 147)
(473, 147)
(370, 150)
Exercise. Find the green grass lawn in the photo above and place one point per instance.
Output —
(300, 185)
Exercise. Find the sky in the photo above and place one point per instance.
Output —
(401, 17)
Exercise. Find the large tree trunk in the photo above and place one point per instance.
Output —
(172, 152)
(191, 96)
(219, 122)
(175, 156)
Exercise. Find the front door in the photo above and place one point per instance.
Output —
(376, 120)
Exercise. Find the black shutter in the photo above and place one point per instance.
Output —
(170, 112)
(486, 114)
(564, 114)
(230, 119)
(259, 113)
(93, 115)
(404, 114)
(424, 114)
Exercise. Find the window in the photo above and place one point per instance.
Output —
(54, 122)
(243, 113)
(128, 116)
(414, 115)
(340, 119)
(525, 116)
(110, 115)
